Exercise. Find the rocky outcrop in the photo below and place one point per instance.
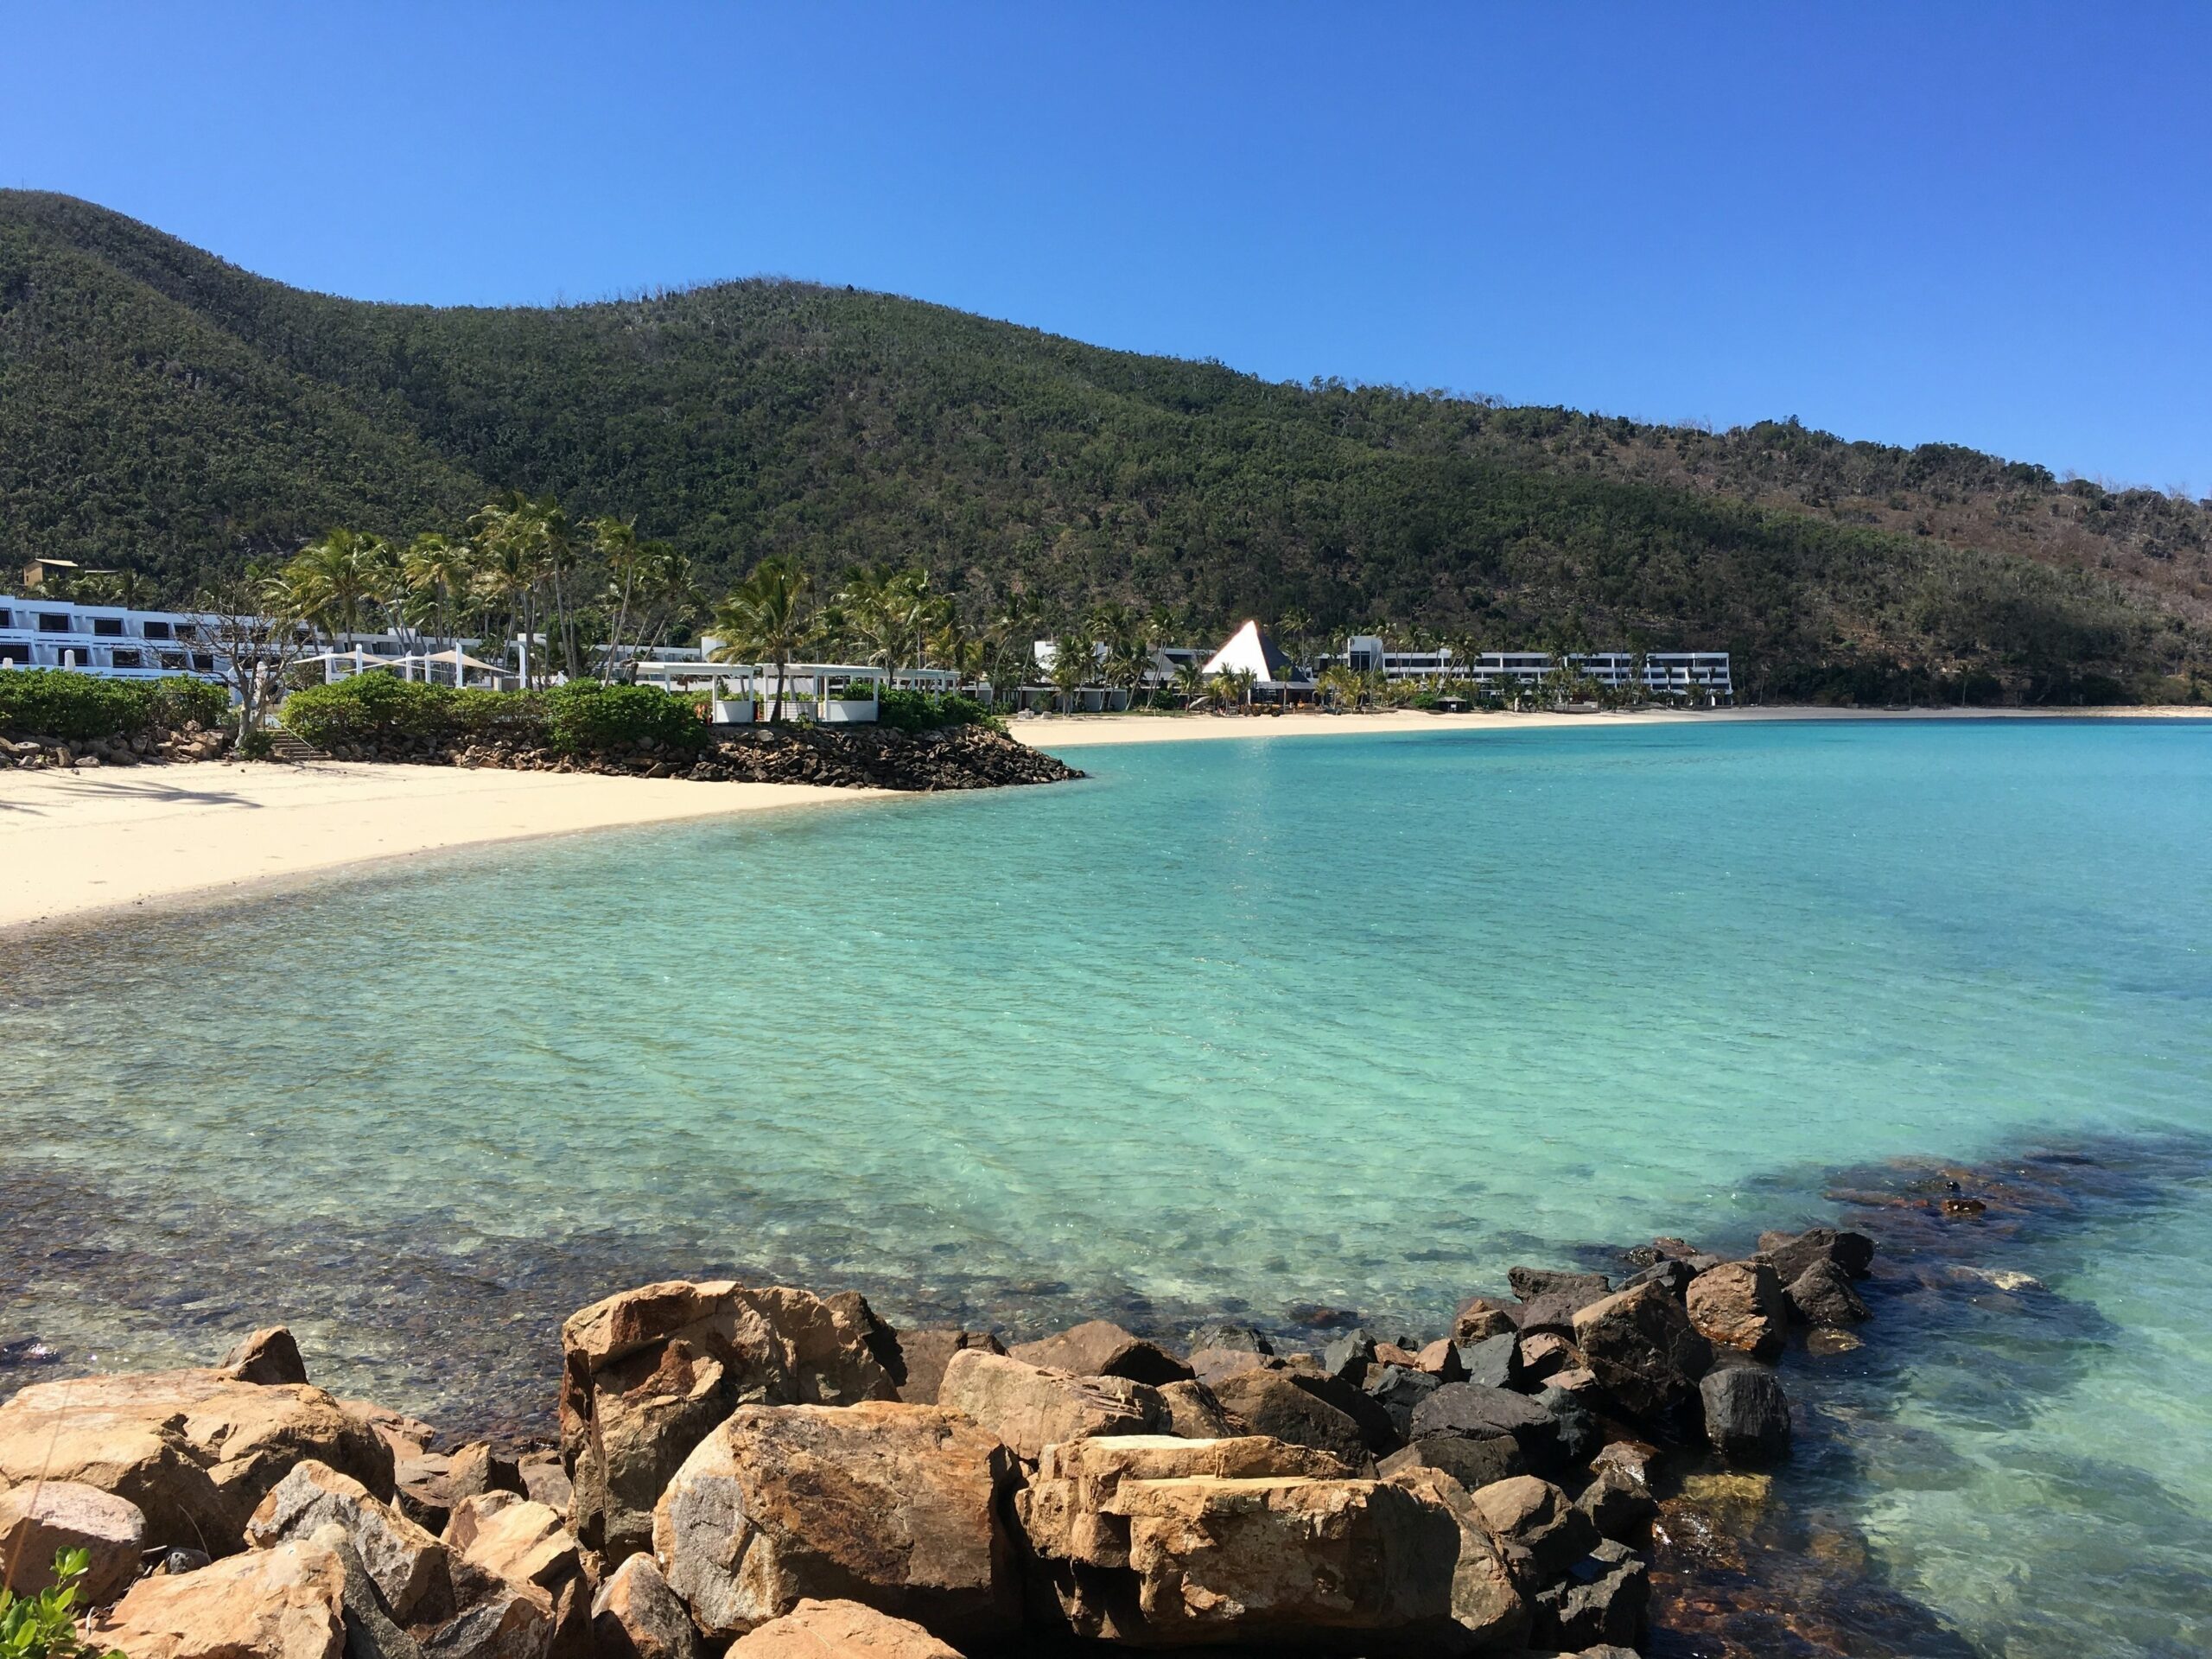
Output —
(895, 1505)
(165, 746)
(1275, 1404)
(840, 1629)
(1644, 1351)
(285, 1603)
(1822, 1294)
(196, 1450)
(39, 1520)
(1100, 1348)
(1027, 1407)
(926, 1353)
(647, 1375)
(1245, 1543)
(1746, 1415)
(636, 1616)
(406, 1564)
(1791, 1254)
(1739, 1304)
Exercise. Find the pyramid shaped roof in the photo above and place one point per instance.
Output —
(1250, 648)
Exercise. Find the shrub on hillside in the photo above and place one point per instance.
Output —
(76, 707)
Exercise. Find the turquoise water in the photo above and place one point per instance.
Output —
(1305, 1028)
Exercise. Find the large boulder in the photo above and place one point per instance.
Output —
(1739, 1304)
(636, 1616)
(1480, 1316)
(840, 1629)
(1273, 1403)
(1027, 1407)
(1471, 1460)
(1487, 1605)
(407, 1564)
(647, 1374)
(1474, 1412)
(268, 1356)
(1100, 1348)
(1644, 1351)
(1822, 1294)
(1160, 1542)
(284, 1603)
(42, 1519)
(1536, 1528)
(515, 1538)
(1194, 1413)
(926, 1353)
(195, 1449)
(1602, 1602)
(1790, 1253)
(1553, 1312)
(895, 1505)
(1746, 1415)
(1529, 1283)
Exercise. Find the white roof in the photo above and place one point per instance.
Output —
(1249, 649)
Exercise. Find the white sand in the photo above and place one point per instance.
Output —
(1067, 731)
(75, 843)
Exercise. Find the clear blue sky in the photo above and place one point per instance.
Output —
(1990, 224)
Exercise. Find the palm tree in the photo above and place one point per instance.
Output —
(438, 567)
(327, 582)
(1074, 663)
(1190, 682)
(617, 543)
(765, 620)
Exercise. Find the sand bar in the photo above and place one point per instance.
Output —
(1070, 731)
(75, 843)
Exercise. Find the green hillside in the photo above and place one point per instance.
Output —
(163, 409)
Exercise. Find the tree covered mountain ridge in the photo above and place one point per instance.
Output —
(164, 409)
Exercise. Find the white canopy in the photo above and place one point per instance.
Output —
(1250, 649)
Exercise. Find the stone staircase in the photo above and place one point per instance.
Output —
(284, 745)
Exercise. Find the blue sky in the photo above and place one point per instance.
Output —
(1987, 223)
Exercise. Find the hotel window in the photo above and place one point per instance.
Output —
(52, 622)
(172, 659)
(125, 659)
(160, 631)
(6, 621)
(107, 628)
(204, 661)
(14, 651)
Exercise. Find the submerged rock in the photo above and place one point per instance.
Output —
(1823, 1295)
(1746, 1415)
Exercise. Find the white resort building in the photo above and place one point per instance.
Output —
(1664, 673)
(107, 640)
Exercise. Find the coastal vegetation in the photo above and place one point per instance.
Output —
(169, 418)
(57, 704)
(578, 718)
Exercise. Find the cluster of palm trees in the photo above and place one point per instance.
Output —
(519, 564)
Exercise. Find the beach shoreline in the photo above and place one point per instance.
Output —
(1047, 731)
(88, 846)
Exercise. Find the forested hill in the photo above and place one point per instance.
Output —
(161, 408)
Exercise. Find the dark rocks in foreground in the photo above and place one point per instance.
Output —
(779, 1473)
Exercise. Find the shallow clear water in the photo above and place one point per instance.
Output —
(1341, 1024)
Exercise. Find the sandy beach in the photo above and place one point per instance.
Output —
(1057, 731)
(75, 843)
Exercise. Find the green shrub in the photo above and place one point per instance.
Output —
(61, 703)
(44, 1626)
(584, 715)
(905, 710)
(368, 708)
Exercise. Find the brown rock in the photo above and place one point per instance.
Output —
(285, 1603)
(406, 1564)
(478, 1468)
(1212, 1364)
(1479, 1319)
(1822, 1295)
(514, 1539)
(1642, 1347)
(1546, 1354)
(408, 1437)
(1537, 1530)
(636, 1616)
(839, 1629)
(1738, 1305)
(1027, 1407)
(1391, 1353)
(267, 1356)
(1160, 1542)
(895, 1505)
(1273, 1404)
(1102, 1349)
(543, 1480)
(1619, 1504)
(1473, 1461)
(1486, 1603)
(648, 1373)
(1792, 1253)
(503, 1621)
(1194, 1413)
(927, 1353)
(196, 1450)
(45, 1517)
(1441, 1359)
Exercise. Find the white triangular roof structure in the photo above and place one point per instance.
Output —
(1249, 648)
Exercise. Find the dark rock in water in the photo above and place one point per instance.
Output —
(268, 1357)
(1540, 1533)
(1746, 1415)
(1618, 1505)
(1553, 1312)
(1269, 1402)
(1493, 1363)
(1821, 1295)
(1348, 1354)
(1100, 1348)
(1223, 1334)
(1645, 1352)
(1792, 1253)
(1398, 1391)
(1528, 1283)
(1466, 1408)
(1480, 1316)
(925, 1354)
(1473, 1461)
(1580, 1435)
(1604, 1599)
